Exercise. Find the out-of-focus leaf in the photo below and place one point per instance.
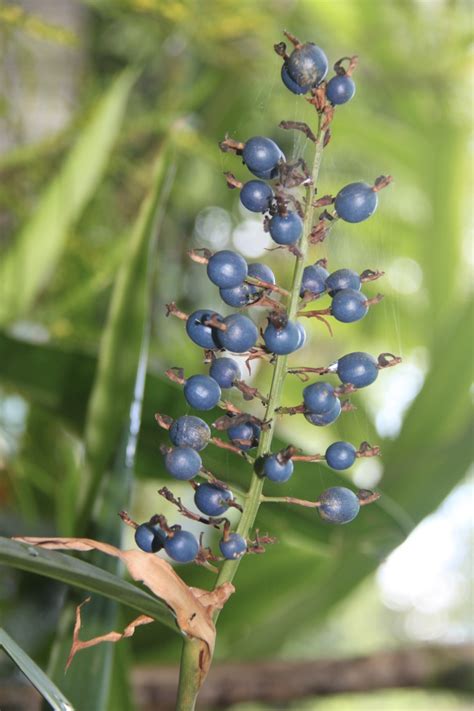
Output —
(34, 254)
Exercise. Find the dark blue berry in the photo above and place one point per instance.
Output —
(226, 269)
(260, 271)
(225, 371)
(319, 398)
(341, 455)
(241, 334)
(261, 156)
(234, 547)
(290, 84)
(338, 505)
(342, 279)
(359, 369)
(256, 196)
(340, 89)
(356, 202)
(282, 340)
(314, 279)
(182, 547)
(286, 229)
(244, 435)
(190, 431)
(202, 392)
(198, 332)
(183, 463)
(237, 296)
(212, 500)
(325, 418)
(276, 470)
(149, 538)
(302, 338)
(307, 65)
(349, 305)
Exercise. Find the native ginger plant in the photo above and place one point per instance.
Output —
(297, 218)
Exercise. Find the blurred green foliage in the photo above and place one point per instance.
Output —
(203, 70)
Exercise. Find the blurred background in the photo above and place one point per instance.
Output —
(90, 93)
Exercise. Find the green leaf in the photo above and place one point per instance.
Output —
(38, 247)
(81, 574)
(32, 671)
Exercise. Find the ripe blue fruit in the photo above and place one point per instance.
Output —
(286, 229)
(290, 84)
(302, 338)
(307, 65)
(349, 305)
(319, 398)
(226, 269)
(150, 538)
(276, 470)
(244, 435)
(240, 336)
(356, 202)
(237, 296)
(326, 418)
(338, 505)
(183, 463)
(359, 369)
(182, 547)
(341, 455)
(212, 500)
(261, 156)
(256, 196)
(282, 340)
(190, 431)
(198, 332)
(260, 271)
(202, 392)
(314, 279)
(342, 279)
(225, 371)
(234, 547)
(340, 89)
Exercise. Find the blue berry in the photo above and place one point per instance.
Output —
(260, 271)
(340, 89)
(359, 369)
(183, 463)
(338, 505)
(286, 229)
(326, 418)
(356, 202)
(202, 392)
(234, 547)
(244, 435)
(319, 398)
(182, 547)
(290, 84)
(307, 65)
(190, 431)
(225, 371)
(240, 336)
(212, 499)
(276, 470)
(349, 305)
(342, 279)
(150, 538)
(237, 296)
(261, 156)
(314, 279)
(341, 455)
(282, 340)
(198, 332)
(226, 269)
(302, 338)
(256, 196)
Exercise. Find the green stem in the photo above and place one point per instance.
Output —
(189, 676)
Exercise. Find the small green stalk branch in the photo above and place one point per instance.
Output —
(187, 688)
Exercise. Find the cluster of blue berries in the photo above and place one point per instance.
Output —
(242, 286)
